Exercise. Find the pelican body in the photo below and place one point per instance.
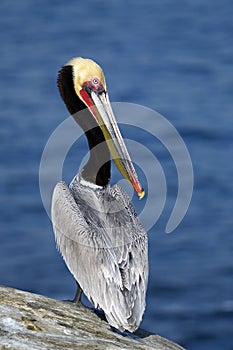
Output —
(96, 227)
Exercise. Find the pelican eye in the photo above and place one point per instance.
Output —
(95, 81)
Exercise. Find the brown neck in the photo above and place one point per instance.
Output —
(98, 168)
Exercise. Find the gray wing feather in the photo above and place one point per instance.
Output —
(110, 264)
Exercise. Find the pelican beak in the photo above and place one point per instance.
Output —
(100, 107)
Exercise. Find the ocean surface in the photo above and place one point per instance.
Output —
(175, 57)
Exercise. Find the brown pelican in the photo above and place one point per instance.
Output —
(96, 227)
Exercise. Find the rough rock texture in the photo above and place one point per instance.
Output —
(30, 322)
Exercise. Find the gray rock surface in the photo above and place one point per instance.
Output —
(30, 322)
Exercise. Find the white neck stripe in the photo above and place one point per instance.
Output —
(89, 184)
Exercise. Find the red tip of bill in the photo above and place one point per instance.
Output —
(140, 191)
(141, 194)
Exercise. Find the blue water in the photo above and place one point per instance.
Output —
(175, 57)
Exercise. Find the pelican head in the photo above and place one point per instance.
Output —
(90, 87)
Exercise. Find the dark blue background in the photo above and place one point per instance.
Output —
(172, 56)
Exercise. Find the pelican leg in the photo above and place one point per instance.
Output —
(77, 298)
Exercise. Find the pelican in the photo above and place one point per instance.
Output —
(96, 228)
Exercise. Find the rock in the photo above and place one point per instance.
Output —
(30, 322)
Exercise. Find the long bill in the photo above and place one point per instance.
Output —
(103, 113)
